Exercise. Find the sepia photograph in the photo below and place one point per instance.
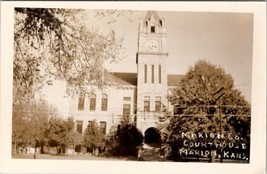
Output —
(131, 85)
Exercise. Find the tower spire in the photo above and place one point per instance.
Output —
(152, 23)
(152, 17)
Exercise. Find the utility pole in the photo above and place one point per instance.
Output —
(221, 93)
(221, 150)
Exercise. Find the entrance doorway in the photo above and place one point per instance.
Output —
(152, 136)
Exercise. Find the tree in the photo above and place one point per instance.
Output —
(93, 138)
(52, 43)
(76, 140)
(20, 129)
(35, 124)
(29, 121)
(59, 133)
(124, 139)
(205, 102)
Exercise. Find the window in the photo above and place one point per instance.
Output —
(158, 104)
(152, 29)
(81, 103)
(103, 127)
(79, 126)
(126, 98)
(104, 104)
(92, 102)
(152, 74)
(145, 73)
(90, 123)
(160, 22)
(159, 73)
(126, 109)
(126, 106)
(147, 104)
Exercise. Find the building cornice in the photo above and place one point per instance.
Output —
(152, 53)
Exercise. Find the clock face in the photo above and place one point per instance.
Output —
(152, 45)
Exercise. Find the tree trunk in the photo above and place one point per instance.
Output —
(96, 151)
(35, 148)
(58, 150)
(42, 149)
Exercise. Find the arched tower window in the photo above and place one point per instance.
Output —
(152, 29)
(145, 74)
(152, 74)
(159, 73)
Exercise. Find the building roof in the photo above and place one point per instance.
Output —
(110, 77)
(131, 78)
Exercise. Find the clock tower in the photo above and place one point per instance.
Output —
(151, 63)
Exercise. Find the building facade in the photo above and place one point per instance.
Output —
(141, 95)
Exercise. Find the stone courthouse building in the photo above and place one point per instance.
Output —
(139, 95)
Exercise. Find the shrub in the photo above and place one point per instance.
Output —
(124, 140)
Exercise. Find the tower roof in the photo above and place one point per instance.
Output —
(151, 14)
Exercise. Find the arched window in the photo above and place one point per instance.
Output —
(81, 103)
(104, 104)
(92, 102)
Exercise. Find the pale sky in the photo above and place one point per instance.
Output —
(224, 39)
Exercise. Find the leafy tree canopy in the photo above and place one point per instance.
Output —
(93, 137)
(52, 43)
(59, 132)
(206, 101)
(30, 121)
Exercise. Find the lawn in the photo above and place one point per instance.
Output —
(71, 157)
(103, 158)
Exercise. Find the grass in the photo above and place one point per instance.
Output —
(102, 158)
(71, 157)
